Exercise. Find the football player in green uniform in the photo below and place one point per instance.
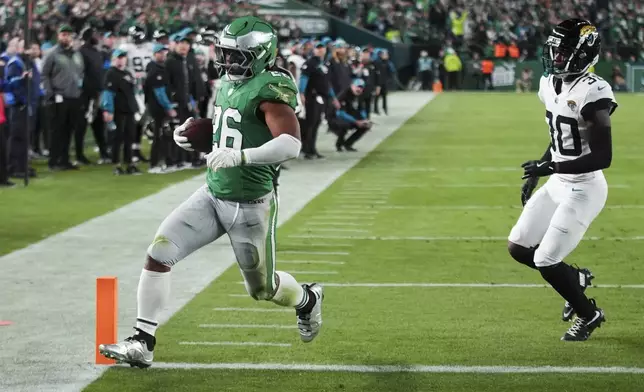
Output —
(255, 129)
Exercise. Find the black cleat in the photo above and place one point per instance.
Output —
(133, 170)
(585, 280)
(581, 328)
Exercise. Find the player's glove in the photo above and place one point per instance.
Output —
(181, 140)
(537, 169)
(221, 158)
(528, 188)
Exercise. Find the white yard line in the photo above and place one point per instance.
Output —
(475, 285)
(328, 262)
(318, 245)
(248, 326)
(305, 252)
(333, 229)
(313, 272)
(441, 238)
(343, 218)
(351, 211)
(490, 185)
(398, 368)
(262, 344)
(327, 224)
(254, 310)
(484, 207)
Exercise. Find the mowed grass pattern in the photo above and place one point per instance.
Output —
(451, 172)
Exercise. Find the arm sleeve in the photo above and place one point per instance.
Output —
(162, 98)
(345, 116)
(547, 155)
(280, 149)
(600, 157)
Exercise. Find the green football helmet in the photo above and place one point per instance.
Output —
(246, 47)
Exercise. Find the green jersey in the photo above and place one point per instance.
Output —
(238, 123)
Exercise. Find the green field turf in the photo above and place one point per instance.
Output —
(451, 171)
(57, 201)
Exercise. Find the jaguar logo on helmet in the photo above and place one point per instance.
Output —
(590, 33)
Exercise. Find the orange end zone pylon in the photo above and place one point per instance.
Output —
(106, 315)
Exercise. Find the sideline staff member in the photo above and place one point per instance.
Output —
(119, 105)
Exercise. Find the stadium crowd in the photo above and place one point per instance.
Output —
(495, 28)
(136, 71)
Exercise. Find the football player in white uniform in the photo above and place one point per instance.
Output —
(139, 55)
(578, 108)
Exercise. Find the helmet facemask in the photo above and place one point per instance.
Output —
(566, 56)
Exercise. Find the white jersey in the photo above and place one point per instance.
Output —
(298, 61)
(566, 115)
(138, 57)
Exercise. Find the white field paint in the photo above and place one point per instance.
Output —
(321, 245)
(261, 344)
(342, 218)
(327, 224)
(484, 207)
(363, 193)
(350, 212)
(248, 326)
(304, 252)
(474, 285)
(327, 262)
(444, 238)
(333, 229)
(491, 185)
(313, 272)
(400, 368)
(254, 310)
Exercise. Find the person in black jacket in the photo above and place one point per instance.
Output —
(181, 78)
(369, 73)
(386, 72)
(339, 68)
(352, 115)
(92, 86)
(119, 105)
(316, 92)
(159, 107)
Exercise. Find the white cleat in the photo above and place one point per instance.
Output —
(309, 323)
(132, 351)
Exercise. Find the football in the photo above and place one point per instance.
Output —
(199, 133)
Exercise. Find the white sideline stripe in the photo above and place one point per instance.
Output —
(363, 193)
(397, 368)
(310, 262)
(430, 169)
(263, 344)
(315, 223)
(349, 203)
(476, 285)
(447, 238)
(239, 295)
(304, 252)
(258, 310)
(313, 272)
(249, 326)
(335, 230)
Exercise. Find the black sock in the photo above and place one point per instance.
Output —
(563, 278)
(308, 303)
(141, 335)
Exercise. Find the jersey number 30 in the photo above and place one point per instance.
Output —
(228, 123)
(556, 134)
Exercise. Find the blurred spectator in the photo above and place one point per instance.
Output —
(352, 115)
(453, 67)
(524, 82)
(487, 69)
(367, 71)
(387, 72)
(20, 75)
(619, 82)
(62, 76)
(425, 70)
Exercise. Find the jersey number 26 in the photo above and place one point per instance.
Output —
(229, 137)
(556, 134)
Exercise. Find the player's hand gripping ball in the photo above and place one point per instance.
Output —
(194, 135)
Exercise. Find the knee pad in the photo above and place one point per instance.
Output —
(164, 251)
(543, 258)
